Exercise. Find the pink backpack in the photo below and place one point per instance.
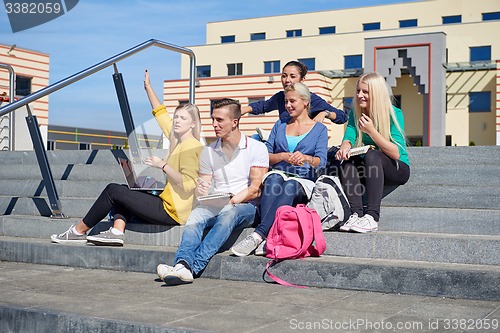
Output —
(296, 234)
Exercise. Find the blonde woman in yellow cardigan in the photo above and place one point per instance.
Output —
(173, 205)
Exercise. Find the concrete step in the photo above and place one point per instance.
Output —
(412, 246)
(65, 188)
(440, 220)
(477, 155)
(65, 157)
(82, 172)
(40, 206)
(446, 196)
(432, 175)
(43, 298)
(383, 275)
(28, 196)
(444, 248)
(403, 219)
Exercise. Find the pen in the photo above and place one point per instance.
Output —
(348, 150)
(199, 180)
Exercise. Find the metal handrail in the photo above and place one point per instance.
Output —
(11, 98)
(33, 127)
(106, 63)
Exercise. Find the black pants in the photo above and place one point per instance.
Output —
(375, 170)
(126, 203)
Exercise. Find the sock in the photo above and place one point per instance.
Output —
(257, 237)
(185, 264)
(73, 230)
(116, 232)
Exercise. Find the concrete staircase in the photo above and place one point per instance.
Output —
(439, 234)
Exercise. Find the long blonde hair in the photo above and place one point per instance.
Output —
(381, 110)
(195, 114)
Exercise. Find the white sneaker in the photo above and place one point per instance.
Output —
(162, 270)
(365, 224)
(347, 225)
(178, 275)
(261, 249)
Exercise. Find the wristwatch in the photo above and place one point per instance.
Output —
(327, 114)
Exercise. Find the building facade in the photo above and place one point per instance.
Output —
(30, 70)
(75, 138)
(242, 59)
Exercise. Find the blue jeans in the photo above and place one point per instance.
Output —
(197, 251)
(277, 193)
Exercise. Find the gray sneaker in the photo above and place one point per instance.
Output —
(246, 246)
(69, 237)
(106, 238)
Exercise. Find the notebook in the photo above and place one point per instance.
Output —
(141, 181)
(361, 150)
(215, 199)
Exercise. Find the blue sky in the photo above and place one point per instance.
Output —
(96, 30)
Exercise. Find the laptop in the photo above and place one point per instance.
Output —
(142, 177)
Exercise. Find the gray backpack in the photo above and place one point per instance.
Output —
(329, 200)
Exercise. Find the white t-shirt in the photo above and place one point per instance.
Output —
(231, 174)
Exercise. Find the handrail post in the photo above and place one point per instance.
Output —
(43, 163)
(192, 78)
(128, 121)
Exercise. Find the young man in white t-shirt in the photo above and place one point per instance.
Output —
(235, 164)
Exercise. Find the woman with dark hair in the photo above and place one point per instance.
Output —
(292, 72)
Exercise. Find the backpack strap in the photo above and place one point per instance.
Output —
(314, 250)
(347, 208)
(277, 279)
(305, 217)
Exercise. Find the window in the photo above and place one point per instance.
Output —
(227, 39)
(23, 85)
(347, 101)
(452, 19)
(294, 33)
(235, 69)
(408, 23)
(480, 53)
(51, 145)
(371, 26)
(272, 66)
(326, 30)
(309, 62)
(353, 61)
(491, 16)
(480, 101)
(258, 36)
(84, 146)
(203, 71)
(253, 100)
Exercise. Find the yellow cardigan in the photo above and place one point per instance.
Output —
(178, 200)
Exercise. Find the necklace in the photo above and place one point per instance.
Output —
(301, 129)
